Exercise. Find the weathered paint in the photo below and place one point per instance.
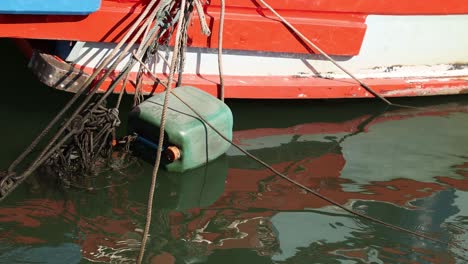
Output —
(62, 7)
(384, 7)
(398, 55)
(390, 50)
(284, 87)
(337, 27)
(245, 29)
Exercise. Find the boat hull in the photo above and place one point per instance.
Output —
(415, 49)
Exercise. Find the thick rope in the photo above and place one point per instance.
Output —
(220, 50)
(51, 145)
(201, 15)
(41, 159)
(305, 39)
(81, 89)
(183, 44)
(161, 133)
(137, 96)
(285, 177)
(122, 91)
(96, 87)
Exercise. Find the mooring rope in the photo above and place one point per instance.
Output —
(50, 148)
(334, 62)
(53, 148)
(81, 89)
(329, 200)
(201, 15)
(101, 80)
(122, 91)
(161, 132)
(220, 50)
(111, 62)
(183, 43)
(315, 193)
(12, 180)
(137, 96)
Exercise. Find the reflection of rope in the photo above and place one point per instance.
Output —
(168, 87)
(161, 130)
(100, 82)
(11, 181)
(305, 39)
(285, 177)
(85, 85)
(220, 50)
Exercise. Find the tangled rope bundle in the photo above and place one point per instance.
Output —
(90, 145)
(86, 134)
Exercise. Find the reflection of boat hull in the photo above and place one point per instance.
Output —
(253, 195)
(390, 46)
(203, 213)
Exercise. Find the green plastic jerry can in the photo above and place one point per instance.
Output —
(196, 141)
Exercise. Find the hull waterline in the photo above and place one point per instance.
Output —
(398, 49)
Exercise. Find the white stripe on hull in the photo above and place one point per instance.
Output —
(394, 46)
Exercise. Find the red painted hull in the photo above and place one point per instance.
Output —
(340, 29)
(290, 87)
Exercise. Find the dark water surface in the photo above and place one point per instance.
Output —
(408, 167)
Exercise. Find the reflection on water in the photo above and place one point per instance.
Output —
(408, 167)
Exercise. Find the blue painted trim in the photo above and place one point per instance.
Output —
(49, 7)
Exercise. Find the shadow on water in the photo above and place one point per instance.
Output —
(408, 167)
(25, 104)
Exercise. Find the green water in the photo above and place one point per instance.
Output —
(406, 167)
